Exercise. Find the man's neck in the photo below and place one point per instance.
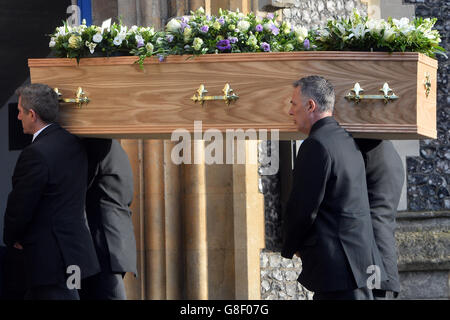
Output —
(38, 132)
(39, 126)
(317, 117)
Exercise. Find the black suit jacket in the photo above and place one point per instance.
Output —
(328, 216)
(45, 210)
(109, 196)
(385, 176)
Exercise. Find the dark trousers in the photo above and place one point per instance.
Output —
(356, 294)
(13, 274)
(52, 292)
(103, 286)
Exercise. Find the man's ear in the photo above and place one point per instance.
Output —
(34, 117)
(311, 105)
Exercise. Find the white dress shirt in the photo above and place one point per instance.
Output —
(39, 131)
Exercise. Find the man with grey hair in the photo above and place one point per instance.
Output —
(44, 216)
(327, 221)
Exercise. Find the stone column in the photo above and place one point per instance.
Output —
(248, 207)
(175, 253)
(195, 226)
(154, 219)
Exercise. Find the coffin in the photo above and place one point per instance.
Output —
(126, 101)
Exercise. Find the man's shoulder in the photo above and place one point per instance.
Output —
(55, 135)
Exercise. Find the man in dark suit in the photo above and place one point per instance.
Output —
(327, 221)
(45, 211)
(385, 177)
(108, 200)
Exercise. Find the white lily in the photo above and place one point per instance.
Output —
(359, 31)
(403, 25)
(389, 34)
(375, 26)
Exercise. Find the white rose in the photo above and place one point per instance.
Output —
(117, 41)
(187, 34)
(173, 26)
(197, 44)
(149, 47)
(301, 33)
(97, 37)
(287, 28)
(243, 25)
(52, 43)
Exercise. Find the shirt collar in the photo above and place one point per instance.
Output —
(39, 131)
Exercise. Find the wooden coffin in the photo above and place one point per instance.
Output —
(128, 102)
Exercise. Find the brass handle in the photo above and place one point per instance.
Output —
(427, 84)
(80, 97)
(228, 96)
(357, 96)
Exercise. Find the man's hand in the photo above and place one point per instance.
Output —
(18, 246)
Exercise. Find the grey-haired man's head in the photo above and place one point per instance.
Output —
(38, 106)
(313, 99)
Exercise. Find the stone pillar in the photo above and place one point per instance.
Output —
(154, 219)
(175, 253)
(195, 226)
(248, 206)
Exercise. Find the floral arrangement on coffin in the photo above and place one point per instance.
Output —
(234, 32)
(358, 33)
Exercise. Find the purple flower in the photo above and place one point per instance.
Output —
(183, 25)
(169, 38)
(204, 29)
(223, 45)
(270, 16)
(221, 20)
(306, 44)
(140, 43)
(233, 39)
(185, 19)
(274, 29)
(265, 46)
(208, 18)
(187, 47)
(160, 57)
(259, 28)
